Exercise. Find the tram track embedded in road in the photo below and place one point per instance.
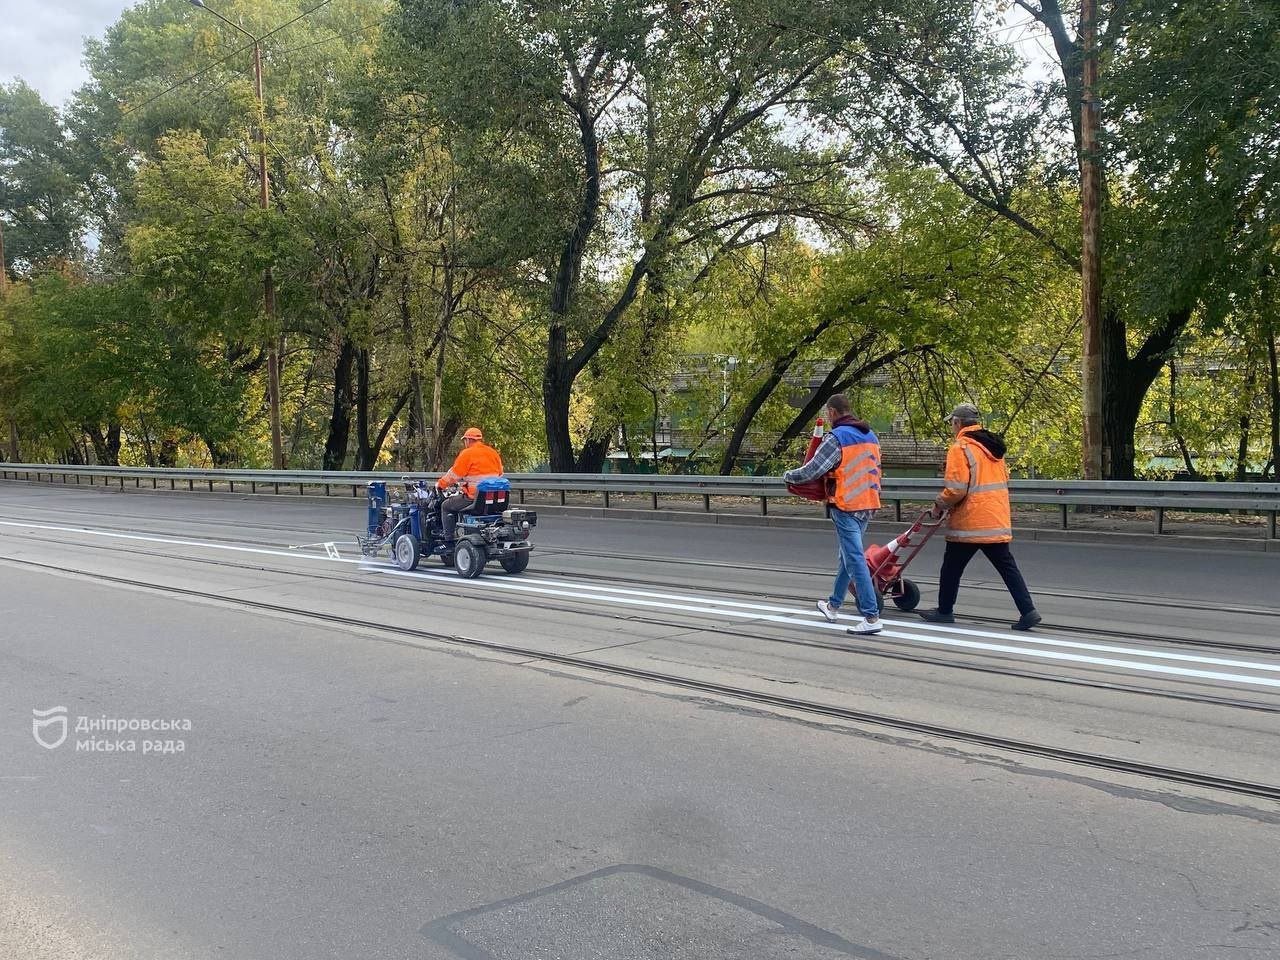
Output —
(405, 635)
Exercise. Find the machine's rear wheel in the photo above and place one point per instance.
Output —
(910, 596)
(516, 563)
(407, 552)
(468, 560)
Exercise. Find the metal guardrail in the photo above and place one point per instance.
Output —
(1251, 498)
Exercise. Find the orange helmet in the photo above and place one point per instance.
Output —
(473, 433)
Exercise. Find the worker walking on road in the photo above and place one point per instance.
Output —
(476, 461)
(976, 492)
(850, 456)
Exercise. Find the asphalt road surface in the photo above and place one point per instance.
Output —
(647, 746)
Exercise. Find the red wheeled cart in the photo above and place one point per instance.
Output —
(888, 562)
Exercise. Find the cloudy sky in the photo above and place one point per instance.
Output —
(41, 40)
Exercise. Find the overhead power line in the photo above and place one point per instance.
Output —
(217, 63)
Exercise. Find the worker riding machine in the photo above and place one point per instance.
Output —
(886, 563)
(412, 527)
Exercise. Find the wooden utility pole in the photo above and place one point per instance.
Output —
(1090, 263)
(268, 279)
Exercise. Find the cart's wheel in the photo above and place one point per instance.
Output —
(468, 559)
(407, 552)
(516, 563)
(909, 597)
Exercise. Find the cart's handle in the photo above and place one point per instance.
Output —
(927, 519)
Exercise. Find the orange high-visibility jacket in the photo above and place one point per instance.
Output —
(857, 476)
(976, 491)
(474, 463)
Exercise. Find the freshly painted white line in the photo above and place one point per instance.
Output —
(1034, 639)
(729, 608)
(204, 544)
(1157, 668)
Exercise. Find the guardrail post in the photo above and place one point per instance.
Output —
(1063, 508)
(327, 493)
(253, 486)
(122, 483)
(653, 500)
(191, 485)
(277, 486)
(172, 484)
(354, 494)
(563, 501)
(897, 511)
(1159, 524)
(606, 498)
(211, 486)
(1271, 525)
(153, 483)
(232, 485)
(301, 492)
(706, 502)
(764, 506)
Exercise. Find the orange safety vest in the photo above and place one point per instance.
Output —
(474, 463)
(857, 477)
(976, 491)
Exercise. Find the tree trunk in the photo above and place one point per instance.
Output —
(113, 443)
(168, 453)
(1173, 422)
(220, 455)
(557, 390)
(375, 450)
(335, 447)
(1126, 381)
(94, 433)
(1274, 369)
(364, 449)
(148, 451)
(594, 451)
(834, 382)
(1246, 399)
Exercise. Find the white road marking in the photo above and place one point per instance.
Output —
(934, 634)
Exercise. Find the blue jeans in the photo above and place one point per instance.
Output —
(853, 562)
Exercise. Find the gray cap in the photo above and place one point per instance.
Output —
(965, 413)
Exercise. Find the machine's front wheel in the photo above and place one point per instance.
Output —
(516, 563)
(468, 560)
(407, 552)
(909, 598)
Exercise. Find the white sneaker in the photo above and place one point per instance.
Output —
(829, 613)
(865, 626)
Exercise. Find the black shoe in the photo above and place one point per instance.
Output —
(936, 616)
(1028, 620)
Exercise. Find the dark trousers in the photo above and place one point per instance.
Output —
(957, 558)
(450, 507)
